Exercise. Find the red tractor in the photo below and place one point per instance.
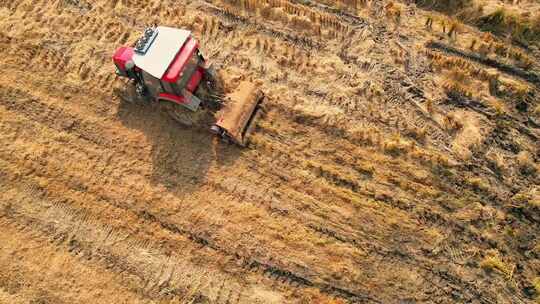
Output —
(167, 66)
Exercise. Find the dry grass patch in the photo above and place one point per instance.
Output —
(536, 110)
(492, 262)
(452, 123)
(503, 21)
(449, 6)
(475, 211)
(470, 132)
(520, 27)
(529, 198)
(393, 11)
(458, 82)
(397, 145)
(498, 106)
(536, 285)
(496, 159)
(526, 163)
(478, 183)
(515, 90)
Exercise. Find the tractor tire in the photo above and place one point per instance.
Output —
(126, 94)
(185, 116)
(129, 94)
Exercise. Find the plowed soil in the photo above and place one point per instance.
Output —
(374, 175)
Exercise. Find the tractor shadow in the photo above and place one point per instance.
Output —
(181, 156)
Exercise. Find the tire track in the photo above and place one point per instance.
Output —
(27, 279)
(268, 268)
(525, 75)
(203, 242)
(141, 263)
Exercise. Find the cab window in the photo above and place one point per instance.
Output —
(188, 71)
(167, 87)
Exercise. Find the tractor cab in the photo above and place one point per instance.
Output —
(165, 64)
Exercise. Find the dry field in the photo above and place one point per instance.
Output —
(397, 160)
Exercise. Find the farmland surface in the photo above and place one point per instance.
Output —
(396, 159)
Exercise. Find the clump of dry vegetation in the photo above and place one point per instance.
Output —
(451, 6)
(462, 67)
(525, 163)
(351, 5)
(454, 28)
(393, 11)
(478, 183)
(497, 161)
(457, 81)
(517, 91)
(536, 285)
(536, 110)
(298, 17)
(529, 198)
(489, 45)
(504, 21)
(396, 145)
(460, 77)
(524, 28)
(452, 123)
(493, 262)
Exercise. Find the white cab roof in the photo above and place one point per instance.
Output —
(162, 52)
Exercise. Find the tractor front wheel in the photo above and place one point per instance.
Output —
(131, 94)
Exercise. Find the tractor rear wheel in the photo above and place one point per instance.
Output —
(185, 116)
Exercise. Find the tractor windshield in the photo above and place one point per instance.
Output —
(190, 68)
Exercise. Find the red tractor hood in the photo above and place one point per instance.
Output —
(122, 56)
